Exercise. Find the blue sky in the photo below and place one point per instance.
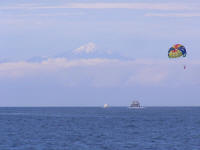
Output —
(87, 53)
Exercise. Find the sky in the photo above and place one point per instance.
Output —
(91, 52)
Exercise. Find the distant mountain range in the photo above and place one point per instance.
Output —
(87, 51)
(71, 56)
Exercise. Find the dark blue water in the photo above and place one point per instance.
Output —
(175, 128)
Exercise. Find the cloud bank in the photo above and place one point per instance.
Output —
(105, 72)
(98, 5)
(173, 15)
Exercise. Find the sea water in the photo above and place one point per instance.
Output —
(96, 128)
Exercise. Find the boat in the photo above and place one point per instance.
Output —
(135, 105)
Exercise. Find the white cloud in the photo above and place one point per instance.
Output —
(42, 14)
(106, 72)
(151, 6)
(87, 48)
(148, 6)
(23, 68)
(173, 15)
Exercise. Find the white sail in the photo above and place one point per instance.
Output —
(105, 106)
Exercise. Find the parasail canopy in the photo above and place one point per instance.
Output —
(176, 51)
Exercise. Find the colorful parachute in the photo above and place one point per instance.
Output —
(176, 51)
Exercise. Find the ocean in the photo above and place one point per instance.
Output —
(95, 128)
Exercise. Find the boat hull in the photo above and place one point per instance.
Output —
(136, 107)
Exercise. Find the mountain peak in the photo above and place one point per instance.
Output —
(87, 48)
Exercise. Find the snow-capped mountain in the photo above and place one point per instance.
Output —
(87, 51)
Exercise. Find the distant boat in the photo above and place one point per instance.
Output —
(136, 105)
(105, 106)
